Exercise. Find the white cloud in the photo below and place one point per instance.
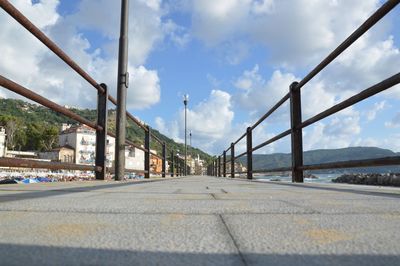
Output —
(366, 63)
(210, 121)
(145, 86)
(296, 32)
(394, 123)
(216, 21)
(340, 132)
(45, 74)
(257, 94)
(19, 50)
(379, 106)
(145, 24)
(177, 34)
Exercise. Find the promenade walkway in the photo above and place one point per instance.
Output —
(198, 221)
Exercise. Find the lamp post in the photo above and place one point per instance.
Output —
(185, 102)
(190, 149)
(122, 86)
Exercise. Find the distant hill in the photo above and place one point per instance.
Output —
(32, 117)
(276, 160)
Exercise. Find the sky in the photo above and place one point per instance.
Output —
(235, 59)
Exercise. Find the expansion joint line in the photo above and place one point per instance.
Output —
(233, 240)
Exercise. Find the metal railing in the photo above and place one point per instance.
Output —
(100, 126)
(297, 124)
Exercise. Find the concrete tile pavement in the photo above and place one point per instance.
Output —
(198, 221)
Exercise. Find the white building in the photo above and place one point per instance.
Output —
(2, 142)
(83, 139)
(134, 159)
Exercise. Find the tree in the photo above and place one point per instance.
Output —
(50, 137)
(11, 129)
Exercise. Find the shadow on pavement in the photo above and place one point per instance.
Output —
(35, 194)
(12, 254)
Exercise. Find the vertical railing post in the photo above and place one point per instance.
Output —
(164, 160)
(215, 168)
(296, 134)
(182, 172)
(224, 165)
(178, 167)
(232, 160)
(219, 166)
(172, 164)
(147, 153)
(249, 153)
(101, 135)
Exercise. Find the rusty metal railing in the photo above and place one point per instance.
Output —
(297, 124)
(100, 126)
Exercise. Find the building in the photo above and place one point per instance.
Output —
(199, 166)
(155, 163)
(64, 154)
(21, 154)
(2, 142)
(82, 139)
(134, 159)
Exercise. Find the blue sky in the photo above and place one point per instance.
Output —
(235, 58)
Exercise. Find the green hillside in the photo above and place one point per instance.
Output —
(35, 127)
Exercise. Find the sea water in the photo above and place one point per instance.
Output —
(322, 178)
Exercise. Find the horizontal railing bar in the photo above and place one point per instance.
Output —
(241, 172)
(228, 149)
(278, 137)
(241, 155)
(155, 155)
(112, 170)
(128, 142)
(27, 24)
(15, 87)
(135, 171)
(377, 88)
(371, 21)
(280, 169)
(25, 163)
(156, 138)
(354, 163)
(137, 122)
(244, 135)
(155, 172)
(273, 109)
(129, 115)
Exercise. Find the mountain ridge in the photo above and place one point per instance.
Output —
(277, 160)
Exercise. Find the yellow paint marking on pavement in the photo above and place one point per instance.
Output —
(327, 236)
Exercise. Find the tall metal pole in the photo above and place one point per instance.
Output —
(185, 102)
(122, 86)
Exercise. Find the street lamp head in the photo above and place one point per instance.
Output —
(185, 99)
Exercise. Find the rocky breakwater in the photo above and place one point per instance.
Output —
(370, 179)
